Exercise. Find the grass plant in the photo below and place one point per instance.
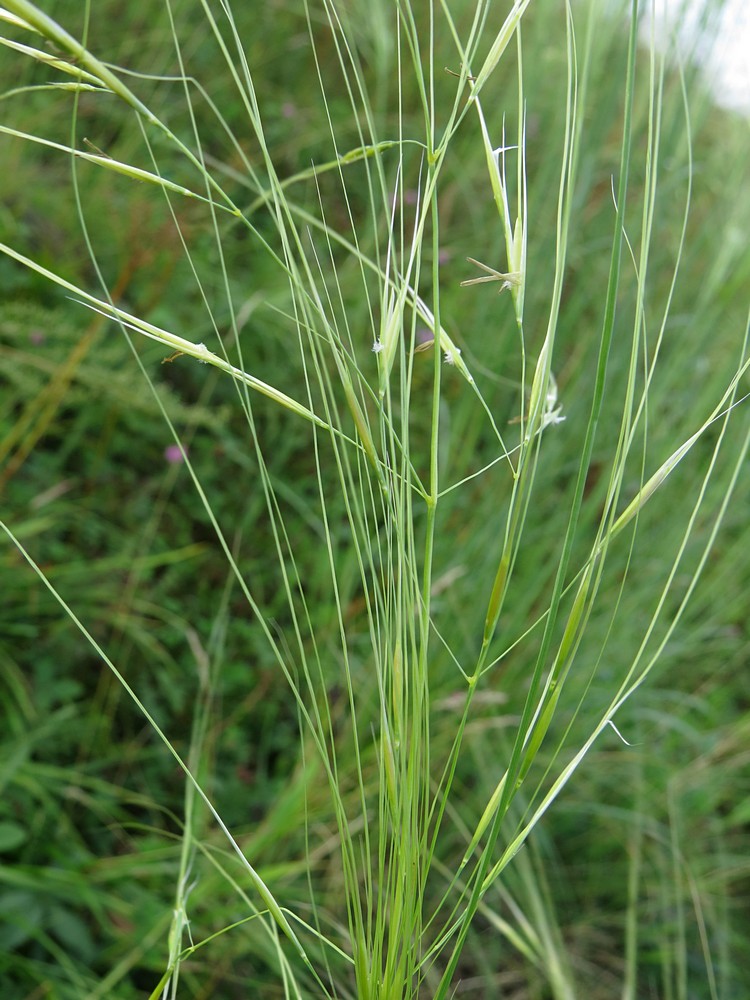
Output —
(375, 482)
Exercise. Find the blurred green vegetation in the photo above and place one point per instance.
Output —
(92, 805)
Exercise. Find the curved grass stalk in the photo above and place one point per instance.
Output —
(261, 888)
(32, 17)
(170, 341)
(126, 169)
(638, 674)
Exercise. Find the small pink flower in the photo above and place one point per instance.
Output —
(173, 454)
(424, 337)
